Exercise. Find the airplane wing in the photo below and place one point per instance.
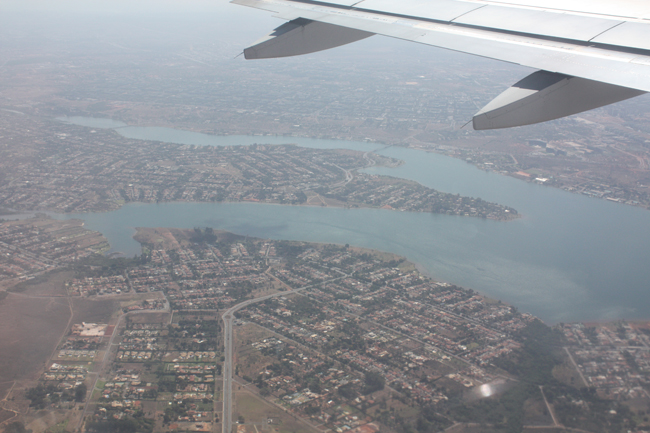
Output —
(589, 53)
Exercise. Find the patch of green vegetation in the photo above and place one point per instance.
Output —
(98, 264)
(174, 411)
(128, 425)
(205, 407)
(206, 236)
(23, 285)
(41, 396)
(505, 411)
(540, 354)
(373, 382)
(59, 428)
(584, 409)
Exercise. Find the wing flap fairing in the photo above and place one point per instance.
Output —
(544, 96)
(616, 67)
(601, 50)
(302, 36)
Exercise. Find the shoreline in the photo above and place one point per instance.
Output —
(24, 214)
(410, 145)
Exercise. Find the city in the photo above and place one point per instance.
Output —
(289, 323)
(326, 338)
(76, 169)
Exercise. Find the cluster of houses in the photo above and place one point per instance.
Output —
(67, 376)
(32, 246)
(406, 324)
(613, 358)
(104, 285)
(193, 356)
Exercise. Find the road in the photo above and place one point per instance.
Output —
(102, 368)
(566, 349)
(549, 408)
(2, 406)
(227, 317)
(348, 175)
(410, 337)
(226, 416)
(107, 357)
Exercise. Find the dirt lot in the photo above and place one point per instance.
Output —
(150, 318)
(30, 328)
(32, 322)
(250, 360)
(266, 417)
(93, 311)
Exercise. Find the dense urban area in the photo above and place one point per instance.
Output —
(74, 169)
(326, 338)
(209, 331)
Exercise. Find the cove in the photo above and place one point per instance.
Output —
(570, 258)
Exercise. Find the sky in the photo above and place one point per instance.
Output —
(216, 10)
(116, 6)
(243, 23)
(224, 16)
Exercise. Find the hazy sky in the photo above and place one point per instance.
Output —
(117, 5)
(135, 23)
(32, 14)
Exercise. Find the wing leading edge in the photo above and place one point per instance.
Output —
(587, 59)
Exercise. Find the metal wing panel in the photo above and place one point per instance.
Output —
(615, 67)
(343, 2)
(587, 62)
(634, 9)
(438, 10)
(629, 34)
(553, 24)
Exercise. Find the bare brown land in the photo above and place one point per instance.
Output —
(30, 328)
(32, 322)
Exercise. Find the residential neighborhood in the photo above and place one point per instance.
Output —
(344, 339)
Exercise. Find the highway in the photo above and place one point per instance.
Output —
(226, 416)
(228, 317)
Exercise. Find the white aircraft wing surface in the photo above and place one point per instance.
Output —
(589, 53)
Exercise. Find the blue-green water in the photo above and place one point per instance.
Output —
(569, 258)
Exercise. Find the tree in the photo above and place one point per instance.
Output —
(80, 393)
(347, 391)
(15, 427)
(373, 382)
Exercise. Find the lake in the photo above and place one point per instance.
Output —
(570, 258)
